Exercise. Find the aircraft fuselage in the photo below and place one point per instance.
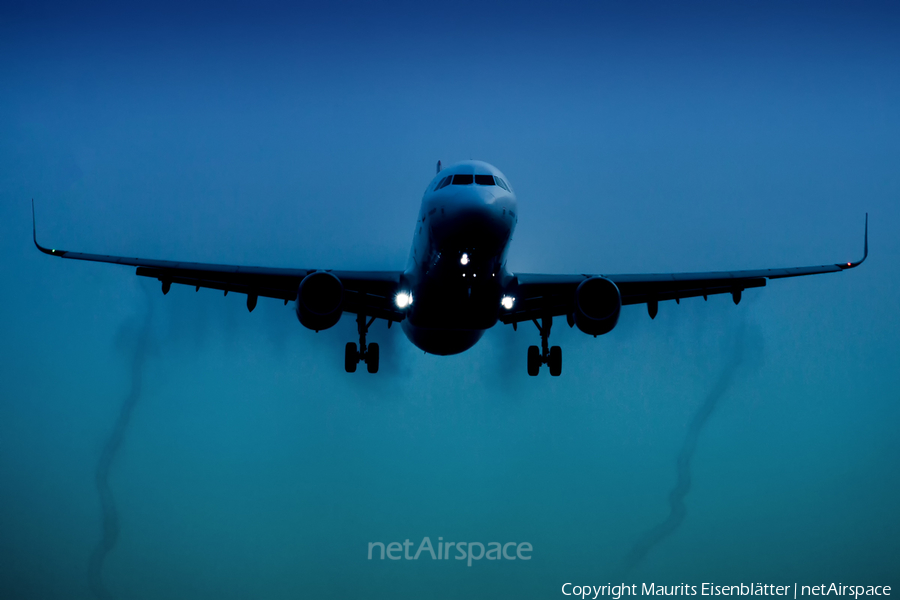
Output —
(456, 273)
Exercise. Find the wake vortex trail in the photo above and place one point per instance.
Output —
(110, 518)
(677, 509)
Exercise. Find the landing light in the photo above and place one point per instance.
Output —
(403, 299)
(507, 302)
(464, 259)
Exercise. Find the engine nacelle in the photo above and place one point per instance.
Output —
(597, 305)
(320, 301)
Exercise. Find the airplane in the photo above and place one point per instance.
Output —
(456, 284)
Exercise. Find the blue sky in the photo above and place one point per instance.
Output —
(696, 136)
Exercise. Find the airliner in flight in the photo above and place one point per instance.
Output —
(456, 285)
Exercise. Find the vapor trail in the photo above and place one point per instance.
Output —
(110, 519)
(677, 509)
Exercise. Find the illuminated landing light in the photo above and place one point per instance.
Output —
(507, 302)
(849, 264)
(403, 299)
(464, 259)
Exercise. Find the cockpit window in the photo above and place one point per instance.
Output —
(502, 184)
(484, 179)
(443, 182)
(462, 179)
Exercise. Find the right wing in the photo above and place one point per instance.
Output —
(539, 296)
(369, 292)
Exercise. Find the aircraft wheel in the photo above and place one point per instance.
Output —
(372, 358)
(534, 360)
(351, 357)
(555, 361)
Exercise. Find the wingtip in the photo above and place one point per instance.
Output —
(851, 265)
(34, 236)
(34, 226)
(866, 239)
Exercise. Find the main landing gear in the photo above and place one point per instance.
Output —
(550, 356)
(367, 354)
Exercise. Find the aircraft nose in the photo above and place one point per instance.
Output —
(477, 216)
(477, 208)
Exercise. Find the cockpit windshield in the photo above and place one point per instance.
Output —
(468, 179)
(443, 182)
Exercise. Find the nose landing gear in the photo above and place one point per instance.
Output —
(366, 353)
(545, 355)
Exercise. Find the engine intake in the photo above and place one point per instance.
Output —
(320, 301)
(597, 305)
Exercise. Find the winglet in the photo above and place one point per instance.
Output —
(34, 236)
(850, 265)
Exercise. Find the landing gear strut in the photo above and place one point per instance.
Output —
(365, 353)
(545, 355)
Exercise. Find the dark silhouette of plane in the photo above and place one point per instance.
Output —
(456, 285)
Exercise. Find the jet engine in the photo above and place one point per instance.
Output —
(597, 305)
(320, 301)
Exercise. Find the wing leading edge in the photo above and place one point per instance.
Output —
(369, 292)
(540, 296)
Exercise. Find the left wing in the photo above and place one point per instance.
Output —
(539, 296)
(369, 292)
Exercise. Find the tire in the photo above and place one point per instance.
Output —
(351, 357)
(372, 358)
(555, 361)
(534, 360)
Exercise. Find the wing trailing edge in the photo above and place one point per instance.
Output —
(544, 295)
(367, 292)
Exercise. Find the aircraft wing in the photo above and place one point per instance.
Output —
(371, 292)
(553, 295)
